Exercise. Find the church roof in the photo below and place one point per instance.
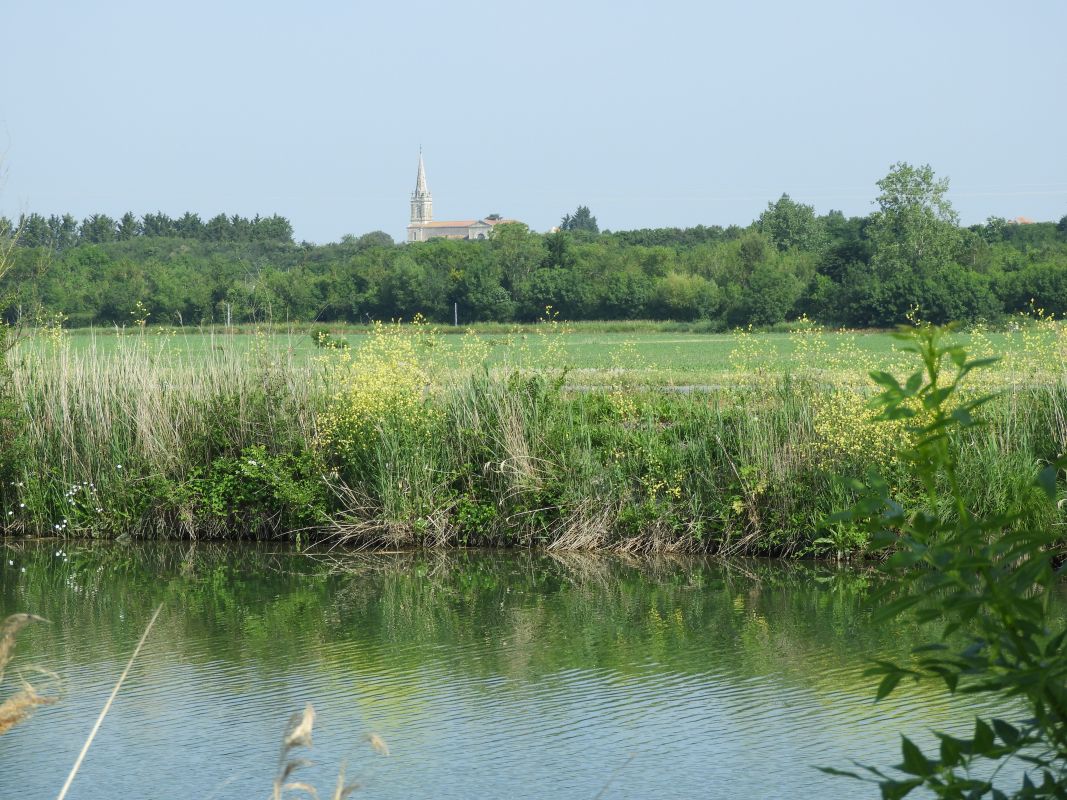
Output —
(459, 223)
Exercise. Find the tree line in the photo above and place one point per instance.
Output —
(62, 232)
(866, 271)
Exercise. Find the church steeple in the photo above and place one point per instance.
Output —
(421, 199)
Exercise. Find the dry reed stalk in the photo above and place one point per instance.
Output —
(83, 406)
(587, 527)
(378, 744)
(19, 706)
(364, 524)
(298, 735)
(9, 632)
(107, 706)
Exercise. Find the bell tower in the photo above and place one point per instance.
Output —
(421, 199)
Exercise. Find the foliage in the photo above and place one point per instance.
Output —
(915, 222)
(791, 224)
(379, 390)
(989, 577)
(860, 272)
(259, 493)
(409, 437)
(581, 220)
(11, 453)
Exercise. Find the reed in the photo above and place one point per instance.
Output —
(297, 738)
(396, 445)
(19, 706)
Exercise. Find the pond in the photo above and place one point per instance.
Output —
(487, 675)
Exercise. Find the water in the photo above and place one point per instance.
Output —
(488, 675)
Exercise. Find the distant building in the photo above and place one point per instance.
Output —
(423, 227)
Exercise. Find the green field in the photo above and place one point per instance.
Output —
(595, 356)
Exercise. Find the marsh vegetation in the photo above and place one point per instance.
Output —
(406, 439)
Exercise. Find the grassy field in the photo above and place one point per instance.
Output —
(595, 356)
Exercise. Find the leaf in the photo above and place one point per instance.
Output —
(951, 750)
(979, 363)
(894, 790)
(1055, 644)
(887, 685)
(964, 418)
(895, 608)
(915, 763)
(984, 741)
(1046, 481)
(1007, 732)
(841, 773)
(885, 379)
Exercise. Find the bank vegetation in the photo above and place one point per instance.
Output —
(401, 442)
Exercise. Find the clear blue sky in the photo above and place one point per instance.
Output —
(653, 114)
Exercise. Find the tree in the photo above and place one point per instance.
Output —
(684, 297)
(517, 253)
(217, 228)
(190, 226)
(581, 220)
(375, 239)
(129, 227)
(772, 291)
(97, 229)
(158, 224)
(790, 224)
(914, 220)
(33, 231)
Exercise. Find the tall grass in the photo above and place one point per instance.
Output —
(404, 443)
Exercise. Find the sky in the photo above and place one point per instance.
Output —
(652, 114)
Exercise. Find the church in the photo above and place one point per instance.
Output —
(423, 227)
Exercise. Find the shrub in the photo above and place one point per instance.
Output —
(988, 577)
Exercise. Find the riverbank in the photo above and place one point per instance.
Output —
(393, 445)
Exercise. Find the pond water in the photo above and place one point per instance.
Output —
(488, 675)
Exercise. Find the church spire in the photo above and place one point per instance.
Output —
(420, 181)
(421, 199)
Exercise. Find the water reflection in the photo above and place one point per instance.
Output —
(518, 675)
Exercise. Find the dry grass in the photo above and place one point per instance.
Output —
(298, 736)
(20, 705)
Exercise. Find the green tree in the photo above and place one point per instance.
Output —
(517, 253)
(581, 220)
(773, 290)
(375, 239)
(789, 224)
(64, 231)
(128, 228)
(217, 229)
(97, 229)
(33, 231)
(158, 224)
(684, 297)
(915, 220)
(189, 226)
